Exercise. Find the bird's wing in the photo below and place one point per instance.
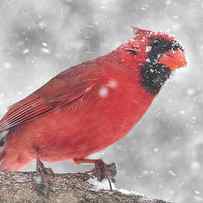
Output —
(64, 89)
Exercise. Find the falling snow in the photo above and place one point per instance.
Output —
(42, 25)
(190, 92)
(156, 149)
(26, 51)
(148, 48)
(7, 65)
(172, 173)
(112, 84)
(103, 91)
(45, 50)
(44, 44)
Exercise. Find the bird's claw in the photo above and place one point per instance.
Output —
(42, 182)
(103, 170)
(42, 170)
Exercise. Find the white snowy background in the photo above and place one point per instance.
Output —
(162, 157)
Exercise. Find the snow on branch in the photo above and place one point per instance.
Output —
(68, 188)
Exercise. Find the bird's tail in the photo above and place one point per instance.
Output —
(3, 124)
(13, 156)
(1, 160)
(9, 160)
(4, 132)
(3, 135)
(2, 155)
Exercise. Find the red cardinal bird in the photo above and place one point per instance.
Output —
(90, 106)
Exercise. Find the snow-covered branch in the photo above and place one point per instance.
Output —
(70, 188)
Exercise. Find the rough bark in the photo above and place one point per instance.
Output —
(68, 188)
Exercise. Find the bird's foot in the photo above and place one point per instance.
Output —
(42, 180)
(101, 170)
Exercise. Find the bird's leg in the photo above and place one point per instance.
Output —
(101, 170)
(42, 180)
(42, 170)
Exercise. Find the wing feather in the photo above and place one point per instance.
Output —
(22, 112)
(57, 92)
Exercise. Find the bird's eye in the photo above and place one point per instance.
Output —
(160, 45)
(156, 42)
(132, 51)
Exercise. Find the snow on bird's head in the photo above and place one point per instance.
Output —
(160, 48)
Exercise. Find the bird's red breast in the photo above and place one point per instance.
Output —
(89, 106)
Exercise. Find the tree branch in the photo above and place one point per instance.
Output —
(68, 188)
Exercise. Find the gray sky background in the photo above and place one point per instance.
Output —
(162, 157)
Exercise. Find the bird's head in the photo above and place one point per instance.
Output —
(156, 54)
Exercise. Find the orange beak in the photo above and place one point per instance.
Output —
(173, 59)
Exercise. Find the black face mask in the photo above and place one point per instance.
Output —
(154, 76)
(160, 46)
